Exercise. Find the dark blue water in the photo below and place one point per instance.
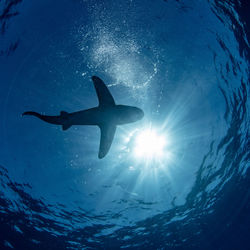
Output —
(186, 64)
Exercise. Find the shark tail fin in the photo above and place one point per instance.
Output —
(32, 113)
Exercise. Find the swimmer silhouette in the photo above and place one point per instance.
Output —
(107, 116)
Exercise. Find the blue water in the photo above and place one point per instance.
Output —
(186, 64)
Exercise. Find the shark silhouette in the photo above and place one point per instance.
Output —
(107, 116)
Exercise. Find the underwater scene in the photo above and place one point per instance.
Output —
(125, 124)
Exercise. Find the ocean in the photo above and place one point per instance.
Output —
(177, 179)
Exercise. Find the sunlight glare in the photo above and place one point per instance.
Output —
(149, 144)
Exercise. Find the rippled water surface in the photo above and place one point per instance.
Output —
(186, 64)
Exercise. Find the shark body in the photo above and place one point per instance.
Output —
(107, 115)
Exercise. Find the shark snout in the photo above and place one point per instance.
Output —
(140, 114)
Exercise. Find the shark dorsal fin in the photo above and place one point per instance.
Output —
(104, 96)
(63, 113)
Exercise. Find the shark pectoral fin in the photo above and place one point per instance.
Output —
(66, 126)
(104, 96)
(107, 136)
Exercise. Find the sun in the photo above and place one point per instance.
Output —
(148, 144)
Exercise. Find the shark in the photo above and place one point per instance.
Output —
(107, 116)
